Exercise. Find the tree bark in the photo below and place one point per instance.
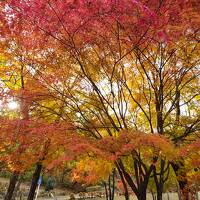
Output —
(126, 193)
(13, 180)
(106, 190)
(34, 182)
(17, 187)
(109, 188)
(153, 195)
(142, 195)
(167, 195)
(160, 192)
(160, 181)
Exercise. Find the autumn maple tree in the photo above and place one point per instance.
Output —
(26, 132)
(111, 67)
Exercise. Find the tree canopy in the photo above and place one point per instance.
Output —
(107, 82)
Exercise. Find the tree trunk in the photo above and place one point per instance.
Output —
(140, 189)
(153, 195)
(35, 179)
(11, 187)
(160, 184)
(167, 195)
(109, 188)
(106, 190)
(179, 192)
(17, 187)
(126, 193)
(159, 194)
(142, 195)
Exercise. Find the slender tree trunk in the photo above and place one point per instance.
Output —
(109, 188)
(17, 187)
(126, 193)
(160, 184)
(179, 192)
(177, 104)
(142, 195)
(153, 195)
(140, 189)
(106, 190)
(34, 182)
(160, 193)
(167, 195)
(159, 104)
(184, 192)
(13, 180)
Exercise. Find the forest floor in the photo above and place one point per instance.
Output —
(172, 196)
(64, 194)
